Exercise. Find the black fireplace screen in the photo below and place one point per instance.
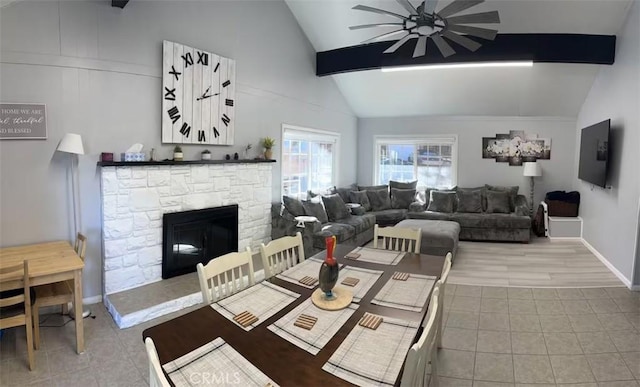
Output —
(193, 237)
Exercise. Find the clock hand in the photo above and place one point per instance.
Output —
(206, 96)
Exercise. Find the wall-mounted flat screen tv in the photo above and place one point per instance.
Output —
(594, 153)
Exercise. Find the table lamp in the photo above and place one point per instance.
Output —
(531, 170)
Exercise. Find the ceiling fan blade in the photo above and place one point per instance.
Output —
(378, 10)
(458, 6)
(383, 36)
(361, 26)
(480, 18)
(421, 47)
(444, 47)
(430, 6)
(465, 42)
(408, 6)
(399, 43)
(483, 33)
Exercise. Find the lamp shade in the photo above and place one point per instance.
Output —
(532, 169)
(71, 143)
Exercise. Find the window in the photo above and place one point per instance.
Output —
(431, 160)
(309, 159)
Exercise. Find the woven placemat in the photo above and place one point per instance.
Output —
(410, 294)
(366, 279)
(380, 256)
(303, 273)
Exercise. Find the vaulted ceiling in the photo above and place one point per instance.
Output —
(546, 89)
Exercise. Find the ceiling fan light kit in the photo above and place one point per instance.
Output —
(425, 23)
(458, 66)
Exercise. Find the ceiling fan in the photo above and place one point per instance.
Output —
(425, 23)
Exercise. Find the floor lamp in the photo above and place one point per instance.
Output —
(532, 170)
(72, 144)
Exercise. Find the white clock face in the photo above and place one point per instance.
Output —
(198, 96)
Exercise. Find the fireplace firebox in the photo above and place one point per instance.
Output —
(193, 237)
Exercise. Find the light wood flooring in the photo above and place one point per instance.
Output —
(541, 263)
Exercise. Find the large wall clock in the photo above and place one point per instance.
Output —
(198, 96)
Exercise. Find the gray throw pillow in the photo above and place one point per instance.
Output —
(379, 199)
(483, 193)
(512, 191)
(361, 198)
(315, 209)
(403, 185)
(402, 198)
(498, 202)
(469, 201)
(293, 205)
(344, 192)
(441, 201)
(373, 188)
(335, 207)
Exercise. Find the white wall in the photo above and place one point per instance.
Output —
(98, 68)
(611, 215)
(473, 170)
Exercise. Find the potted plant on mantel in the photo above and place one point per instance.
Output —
(205, 155)
(268, 143)
(177, 153)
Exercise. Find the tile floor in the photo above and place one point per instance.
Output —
(493, 337)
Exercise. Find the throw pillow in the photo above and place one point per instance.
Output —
(335, 207)
(512, 191)
(483, 194)
(293, 205)
(379, 199)
(469, 201)
(441, 201)
(498, 202)
(344, 192)
(361, 198)
(373, 187)
(402, 198)
(315, 209)
(403, 185)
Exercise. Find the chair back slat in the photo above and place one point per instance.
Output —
(281, 254)
(156, 376)
(221, 272)
(80, 245)
(397, 238)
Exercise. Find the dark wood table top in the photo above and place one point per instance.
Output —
(282, 361)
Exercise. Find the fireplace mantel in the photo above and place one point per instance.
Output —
(171, 162)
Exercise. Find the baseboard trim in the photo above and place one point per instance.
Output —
(92, 300)
(609, 266)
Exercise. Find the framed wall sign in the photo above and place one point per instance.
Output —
(23, 121)
(198, 96)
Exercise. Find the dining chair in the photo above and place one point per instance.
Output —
(57, 293)
(398, 238)
(15, 306)
(281, 254)
(443, 287)
(224, 271)
(156, 376)
(424, 351)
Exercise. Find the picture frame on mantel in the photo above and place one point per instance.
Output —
(23, 121)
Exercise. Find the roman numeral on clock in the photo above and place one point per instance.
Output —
(174, 73)
(216, 134)
(201, 137)
(174, 114)
(228, 102)
(185, 130)
(188, 60)
(226, 83)
(170, 94)
(225, 119)
(217, 67)
(203, 58)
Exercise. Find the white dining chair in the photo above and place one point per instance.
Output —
(281, 254)
(156, 376)
(397, 238)
(424, 351)
(228, 273)
(443, 288)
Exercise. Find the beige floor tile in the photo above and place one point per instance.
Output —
(615, 322)
(549, 307)
(525, 323)
(452, 382)
(461, 339)
(517, 306)
(609, 367)
(469, 291)
(493, 367)
(494, 305)
(625, 341)
(532, 369)
(545, 294)
(456, 364)
(63, 362)
(628, 304)
(494, 292)
(555, 323)
(466, 304)
(494, 342)
(571, 369)
(84, 379)
(528, 343)
(595, 342)
(594, 293)
(621, 293)
(585, 323)
(459, 319)
(15, 372)
(562, 344)
(576, 306)
(621, 383)
(494, 321)
(519, 294)
(634, 319)
(482, 383)
(570, 294)
(603, 305)
(632, 359)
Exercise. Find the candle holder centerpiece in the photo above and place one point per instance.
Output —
(329, 296)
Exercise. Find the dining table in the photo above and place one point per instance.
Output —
(49, 262)
(279, 359)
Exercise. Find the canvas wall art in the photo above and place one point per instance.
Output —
(516, 147)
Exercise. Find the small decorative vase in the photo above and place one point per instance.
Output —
(329, 270)
(206, 156)
(268, 153)
(177, 156)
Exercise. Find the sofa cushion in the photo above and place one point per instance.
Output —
(360, 223)
(372, 187)
(402, 198)
(293, 205)
(441, 201)
(491, 221)
(390, 215)
(512, 190)
(483, 193)
(379, 199)
(335, 207)
(469, 201)
(343, 232)
(430, 215)
(498, 202)
(315, 209)
(361, 198)
(344, 192)
(403, 185)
